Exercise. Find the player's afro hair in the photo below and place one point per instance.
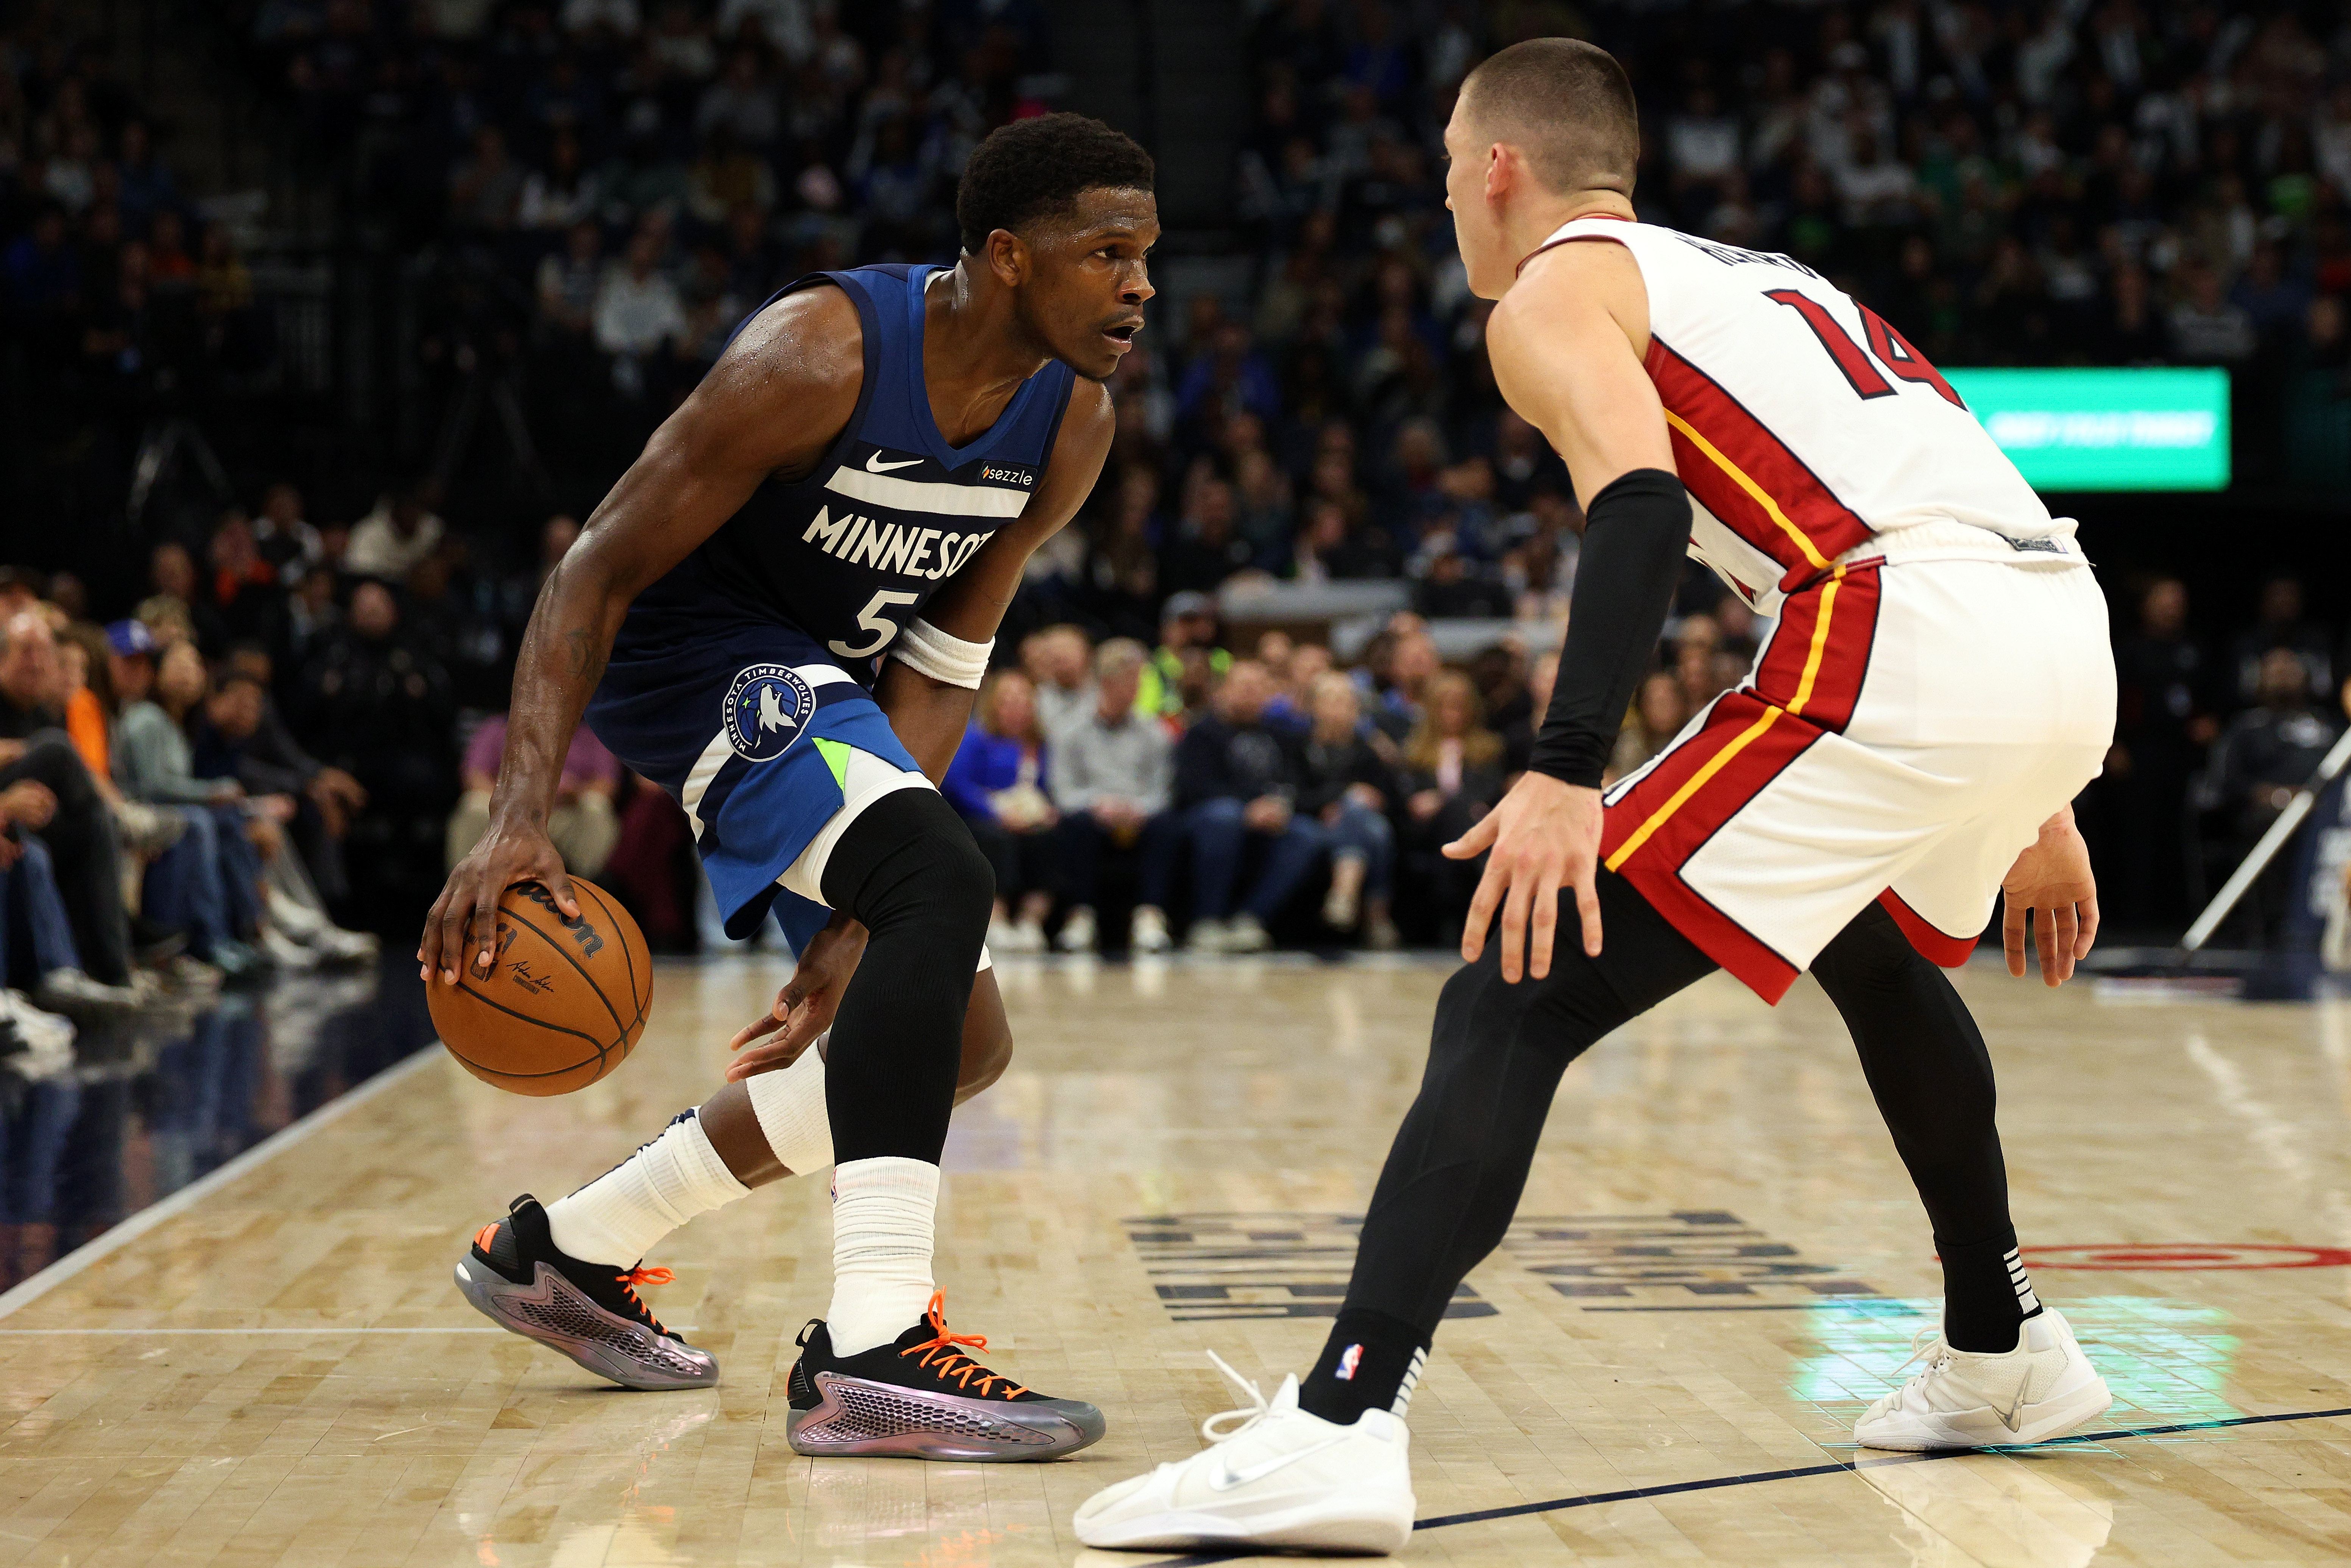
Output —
(1034, 168)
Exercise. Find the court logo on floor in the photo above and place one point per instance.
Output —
(2189, 1256)
(1686, 1260)
(1267, 1265)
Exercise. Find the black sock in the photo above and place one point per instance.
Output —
(1371, 1361)
(1986, 1297)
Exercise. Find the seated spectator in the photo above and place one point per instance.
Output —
(227, 740)
(45, 788)
(1346, 786)
(582, 826)
(1113, 777)
(267, 759)
(1658, 716)
(997, 783)
(1056, 662)
(209, 882)
(1294, 705)
(287, 542)
(391, 541)
(243, 593)
(1188, 621)
(1453, 767)
(1237, 783)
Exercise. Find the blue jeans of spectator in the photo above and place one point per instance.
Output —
(35, 934)
(1219, 837)
(1367, 835)
(1084, 843)
(205, 882)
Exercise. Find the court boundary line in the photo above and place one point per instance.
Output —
(99, 1247)
(1754, 1477)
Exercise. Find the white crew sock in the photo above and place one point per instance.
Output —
(616, 1218)
(883, 1212)
(789, 1103)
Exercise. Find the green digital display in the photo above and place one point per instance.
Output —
(2159, 428)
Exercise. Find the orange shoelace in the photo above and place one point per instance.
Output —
(941, 1356)
(632, 1278)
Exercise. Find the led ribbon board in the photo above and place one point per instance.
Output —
(2158, 428)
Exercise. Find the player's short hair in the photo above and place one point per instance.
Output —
(1034, 168)
(1567, 105)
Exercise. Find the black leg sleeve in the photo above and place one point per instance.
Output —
(1931, 1076)
(1461, 1160)
(906, 869)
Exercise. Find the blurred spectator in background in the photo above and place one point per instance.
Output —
(1113, 779)
(46, 788)
(998, 782)
(396, 537)
(1346, 785)
(2262, 756)
(1188, 623)
(1237, 783)
(1453, 773)
(2168, 696)
(1658, 716)
(2282, 625)
(582, 826)
(1057, 660)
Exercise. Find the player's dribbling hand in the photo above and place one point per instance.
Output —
(2053, 883)
(1544, 836)
(467, 910)
(804, 1008)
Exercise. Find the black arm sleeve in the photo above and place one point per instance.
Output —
(1636, 534)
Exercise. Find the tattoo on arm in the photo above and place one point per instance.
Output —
(586, 660)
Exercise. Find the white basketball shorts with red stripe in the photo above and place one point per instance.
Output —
(1915, 715)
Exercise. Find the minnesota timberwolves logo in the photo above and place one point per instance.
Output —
(767, 708)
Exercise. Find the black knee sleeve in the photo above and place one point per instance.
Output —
(906, 870)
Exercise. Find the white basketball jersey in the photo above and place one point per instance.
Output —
(1802, 424)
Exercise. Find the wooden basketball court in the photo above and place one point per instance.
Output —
(1718, 1263)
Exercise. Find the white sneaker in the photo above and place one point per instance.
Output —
(2043, 1388)
(1008, 937)
(1246, 936)
(1283, 1478)
(292, 916)
(34, 1044)
(285, 952)
(1149, 932)
(335, 945)
(1206, 936)
(1077, 934)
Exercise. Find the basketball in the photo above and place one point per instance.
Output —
(565, 999)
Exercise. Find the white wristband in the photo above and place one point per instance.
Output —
(944, 658)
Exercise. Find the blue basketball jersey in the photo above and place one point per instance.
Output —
(848, 555)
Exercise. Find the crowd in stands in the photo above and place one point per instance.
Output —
(607, 185)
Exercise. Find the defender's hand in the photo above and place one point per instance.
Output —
(1545, 835)
(466, 913)
(2053, 883)
(804, 1008)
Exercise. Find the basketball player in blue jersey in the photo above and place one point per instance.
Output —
(779, 614)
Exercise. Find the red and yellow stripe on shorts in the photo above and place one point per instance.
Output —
(1805, 686)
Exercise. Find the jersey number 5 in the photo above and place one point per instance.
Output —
(1892, 349)
(871, 619)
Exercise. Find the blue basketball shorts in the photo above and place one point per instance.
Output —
(771, 747)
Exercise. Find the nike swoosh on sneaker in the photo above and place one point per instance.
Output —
(873, 464)
(1223, 1478)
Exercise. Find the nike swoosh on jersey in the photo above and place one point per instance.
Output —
(873, 464)
(1223, 1478)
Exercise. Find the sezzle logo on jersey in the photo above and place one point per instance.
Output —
(768, 708)
(928, 553)
(1021, 477)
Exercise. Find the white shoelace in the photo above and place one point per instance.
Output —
(1212, 1429)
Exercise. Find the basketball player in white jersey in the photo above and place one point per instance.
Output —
(1936, 689)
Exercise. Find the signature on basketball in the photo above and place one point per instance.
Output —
(538, 985)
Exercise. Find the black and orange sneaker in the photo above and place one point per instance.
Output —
(516, 1277)
(921, 1397)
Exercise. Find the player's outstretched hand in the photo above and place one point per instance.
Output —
(466, 913)
(804, 1008)
(2051, 882)
(1544, 836)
